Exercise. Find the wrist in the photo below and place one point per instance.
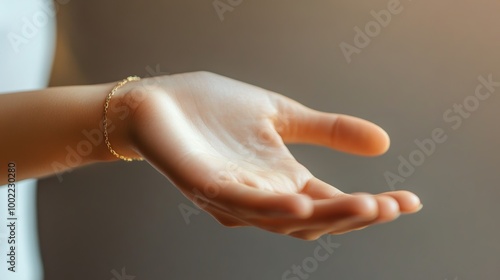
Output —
(119, 108)
(124, 116)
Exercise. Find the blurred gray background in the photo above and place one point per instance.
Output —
(106, 217)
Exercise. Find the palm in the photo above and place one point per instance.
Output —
(222, 143)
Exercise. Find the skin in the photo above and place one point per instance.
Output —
(220, 141)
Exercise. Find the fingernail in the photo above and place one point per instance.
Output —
(419, 207)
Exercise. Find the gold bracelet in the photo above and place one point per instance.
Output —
(105, 118)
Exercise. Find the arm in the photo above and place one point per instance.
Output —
(40, 129)
(220, 141)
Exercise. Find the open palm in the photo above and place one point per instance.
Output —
(222, 143)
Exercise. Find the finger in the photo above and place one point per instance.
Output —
(247, 202)
(317, 189)
(388, 208)
(342, 207)
(341, 132)
(347, 231)
(391, 205)
(340, 232)
(308, 235)
(328, 214)
(339, 227)
(408, 202)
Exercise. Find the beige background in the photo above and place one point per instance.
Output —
(106, 217)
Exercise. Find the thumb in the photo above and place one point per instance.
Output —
(299, 124)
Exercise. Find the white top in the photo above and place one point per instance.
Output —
(27, 39)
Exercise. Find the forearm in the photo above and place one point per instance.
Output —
(55, 129)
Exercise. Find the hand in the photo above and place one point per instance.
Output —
(222, 143)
